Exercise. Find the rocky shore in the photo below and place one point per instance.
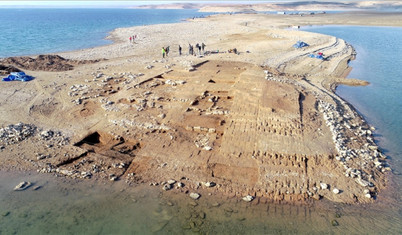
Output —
(263, 123)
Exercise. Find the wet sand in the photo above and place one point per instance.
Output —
(264, 122)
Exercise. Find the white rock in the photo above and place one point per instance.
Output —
(22, 186)
(195, 196)
(323, 185)
(336, 191)
(248, 198)
(171, 181)
(368, 195)
(362, 182)
(366, 191)
(210, 184)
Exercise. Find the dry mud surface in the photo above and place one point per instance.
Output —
(264, 122)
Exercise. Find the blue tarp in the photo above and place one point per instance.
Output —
(318, 56)
(300, 44)
(18, 76)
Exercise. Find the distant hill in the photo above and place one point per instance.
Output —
(281, 6)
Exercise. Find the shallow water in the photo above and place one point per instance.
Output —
(66, 206)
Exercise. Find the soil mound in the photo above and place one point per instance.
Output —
(52, 63)
(7, 69)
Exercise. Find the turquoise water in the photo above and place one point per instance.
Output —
(38, 31)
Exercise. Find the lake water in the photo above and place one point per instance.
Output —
(66, 206)
(38, 31)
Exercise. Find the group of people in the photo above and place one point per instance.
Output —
(132, 38)
(199, 47)
(165, 51)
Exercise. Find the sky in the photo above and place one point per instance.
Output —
(104, 3)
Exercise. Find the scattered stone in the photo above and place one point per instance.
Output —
(215, 204)
(16, 133)
(336, 191)
(210, 184)
(113, 177)
(334, 223)
(171, 181)
(363, 182)
(180, 185)
(366, 191)
(229, 210)
(323, 185)
(22, 186)
(162, 115)
(7, 213)
(248, 198)
(193, 203)
(169, 203)
(37, 187)
(367, 195)
(195, 196)
(167, 187)
(202, 215)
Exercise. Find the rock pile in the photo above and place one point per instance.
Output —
(357, 162)
(15, 133)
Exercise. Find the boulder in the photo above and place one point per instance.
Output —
(248, 198)
(22, 186)
(195, 196)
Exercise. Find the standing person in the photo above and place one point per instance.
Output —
(198, 47)
(179, 50)
(203, 47)
(130, 39)
(167, 50)
(190, 49)
(163, 52)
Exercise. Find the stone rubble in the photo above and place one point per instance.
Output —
(341, 125)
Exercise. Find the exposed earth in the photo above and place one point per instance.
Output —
(264, 122)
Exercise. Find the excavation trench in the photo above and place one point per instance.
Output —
(105, 151)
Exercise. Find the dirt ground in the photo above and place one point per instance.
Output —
(263, 122)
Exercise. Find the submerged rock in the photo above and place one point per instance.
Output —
(22, 186)
(334, 223)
